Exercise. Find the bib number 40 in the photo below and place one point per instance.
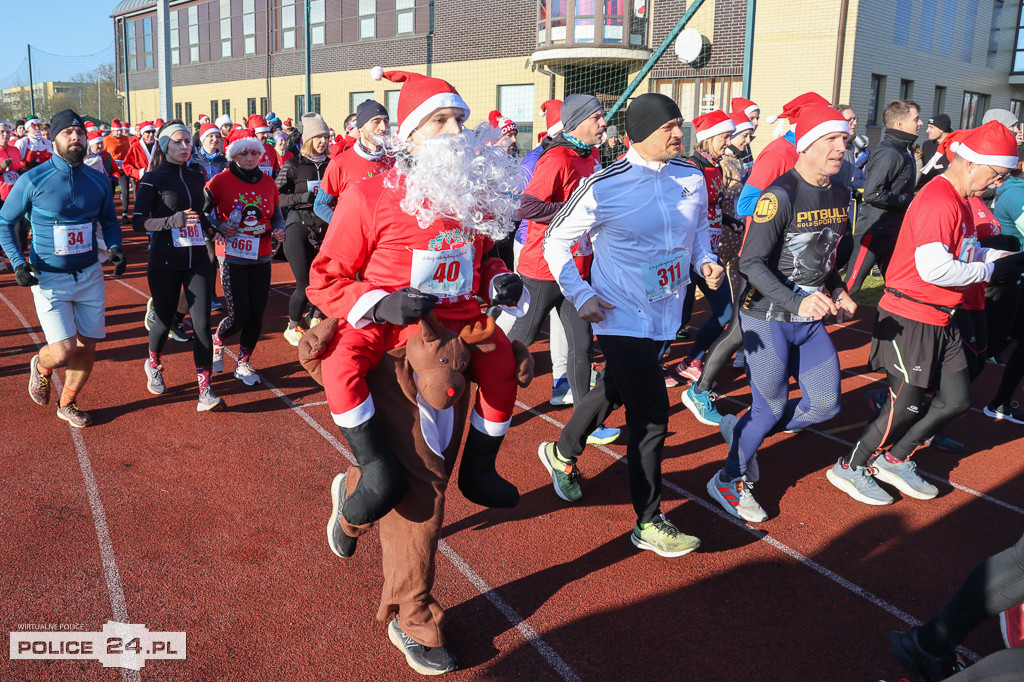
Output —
(447, 272)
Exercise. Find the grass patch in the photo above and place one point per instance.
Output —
(870, 291)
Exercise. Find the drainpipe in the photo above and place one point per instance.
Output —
(837, 77)
(748, 46)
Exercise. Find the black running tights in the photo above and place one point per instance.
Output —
(727, 343)
(246, 291)
(165, 287)
(300, 254)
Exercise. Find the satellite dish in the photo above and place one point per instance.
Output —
(689, 45)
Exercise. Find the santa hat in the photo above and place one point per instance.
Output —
(223, 120)
(206, 129)
(808, 99)
(713, 123)
(240, 140)
(203, 118)
(33, 120)
(506, 125)
(816, 121)
(552, 113)
(744, 106)
(740, 120)
(158, 124)
(420, 96)
(114, 124)
(147, 127)
(287, 123)
(257, 123)
(95, 136)
(91, 126)
(992, 144)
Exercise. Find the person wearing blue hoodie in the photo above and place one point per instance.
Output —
(65, 201)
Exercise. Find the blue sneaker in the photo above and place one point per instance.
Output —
(561, 394)
(702, 405)
(943, 442)
(603, 435)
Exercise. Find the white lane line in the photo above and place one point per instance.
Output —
(115, 590)
(514, 619)
(765, 537)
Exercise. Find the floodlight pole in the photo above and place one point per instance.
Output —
(31, 85)
(165, 96)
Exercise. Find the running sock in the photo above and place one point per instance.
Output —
(217, 340)
(47, 372)
(154, 359)
(203, 376)
(292, 324)
(244, 353)
(67, 396)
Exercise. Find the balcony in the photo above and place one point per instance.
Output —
(608, 31)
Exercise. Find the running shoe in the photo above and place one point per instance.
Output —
(736, 497)
(683, 332)
(663, 538)
(74, 416)
(943, 442)
(215, 304)
(671, 378)
(246, 374)
(150, 315)
(179, 333)
(314, 321)
(218, 358)
(565, 475)
(921, 664)
(561, 394)
(38, 383)
(603, 435)
(209, 402)
(739, 361)
(293, 335)
(423, 659)
(702, 405)
(1011, 414)
(727, 428)
(154, 378)
(858, 483)
(902, 475)
(690, 369)
(341, 543)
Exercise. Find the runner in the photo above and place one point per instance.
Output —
(209, 156)
(34, 148)
(752, 113)
(634, 300)
(936, 256)
(169, 205)
(270, 163)
(140, 152)
(789, 261)
(10, 162)
(64, 200)
(247, 216)
(297, 184)
(281, 147)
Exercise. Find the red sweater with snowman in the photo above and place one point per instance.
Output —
(252, 206)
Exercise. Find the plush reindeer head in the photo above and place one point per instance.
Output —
(439, 358)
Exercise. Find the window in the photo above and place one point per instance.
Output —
(225, 28)
(250, 106)
(188, 113)
(225, 107)
(975, 104)
(906, 89)
(875, 96)
(132, 51)
(367, 19)
(315, 102)
(357, 98)
(249, 26)
(147, 42)
(405, 17)
(264, 107)
(583, 24)
(613, 20)
(193, 33)
(287, 24)
(213, 110)
(1017, 108)
(317, 17)
(993, 36)
(177, 111)
(175, 52)
(939, 101)
(516, 103)
(1018, 52)
(391, 104)
(300, 107)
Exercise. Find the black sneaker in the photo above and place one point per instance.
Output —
(922, 665)
(178, 333)
(342, 544)
(423, 659)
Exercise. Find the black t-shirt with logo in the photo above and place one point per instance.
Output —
(790, 246)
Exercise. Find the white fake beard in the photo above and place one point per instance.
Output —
(461, 177)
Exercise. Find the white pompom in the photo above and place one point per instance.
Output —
(771, 118)
(377, 73)
(954, 146)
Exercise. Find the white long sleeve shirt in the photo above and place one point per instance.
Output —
(648, 224)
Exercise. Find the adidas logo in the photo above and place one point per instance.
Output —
(686, 192)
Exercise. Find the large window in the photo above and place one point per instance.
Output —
(1016, 108)
(193, 33)
(314, 101)
(317, 19)
(939, 101)
(175, 52)
(249, 26)
(177, 111)
(367, 19)
(225, 107)
(975, 105)
(188, 113)
(608, 22)
(132, 46)
(250, 106)
(876, 94)
(214, 110)
(906, 89)
(405, 17)
(264, 106)
(391, 104)
(516, 102)
(300, 108)
(357, 98)
(147, 42)
(225, 28)
(287, 24)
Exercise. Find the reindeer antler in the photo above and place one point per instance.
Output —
(478, 332)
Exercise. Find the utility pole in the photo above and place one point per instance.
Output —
(163, 62)
(127, 88)
(31, 84)
(309, 64)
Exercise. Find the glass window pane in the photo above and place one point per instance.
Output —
(193, 15)
(250, 44)
(174, 21)
(288, 15)
(316, 12)
(175, 58)
(357, 98)
(516, 102)
(249, 24)
(367, 7)
(405, 4)
(174, 38)
(248, 6)
(318, 35)
(147, 43)
(193, 53)
(406, 22)
(584, 31)
(225, 28)
(149, 60)
(612, 30)
(131, 29)
(367, 27)
(225, 48)
(391, 104)
(584, 8)
(288, 40)
(193, 35)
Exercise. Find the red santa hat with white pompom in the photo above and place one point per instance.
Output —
(420, 97)
(506, 125)
(552, 113)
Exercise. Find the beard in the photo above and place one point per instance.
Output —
(463, 178)
(73, 154)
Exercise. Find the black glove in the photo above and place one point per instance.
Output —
(118, 260)
(25, 274)
(404, 306)
(508, 288)
(1008, 267)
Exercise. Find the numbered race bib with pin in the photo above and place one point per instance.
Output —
(311, 185)
(446, 274)
(242, 246)
(968, 248)
(69, 240)
(10, 177)
(663, 278)
(190, 235)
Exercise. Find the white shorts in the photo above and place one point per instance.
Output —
(67, 305)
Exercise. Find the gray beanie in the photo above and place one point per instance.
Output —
(1002, 115)
(576, 108)
(612, 131)
(313, 125)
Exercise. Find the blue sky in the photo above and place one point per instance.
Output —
(63, 27)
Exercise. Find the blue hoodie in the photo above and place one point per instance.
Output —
(55, 193)
(1010, 206)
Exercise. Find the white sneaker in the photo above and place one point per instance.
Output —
(246, 374)
(293, 335)
(209, 402)
(218, 358)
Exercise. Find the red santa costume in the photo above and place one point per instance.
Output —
(270, 162)
(136, 161)
(34, 148)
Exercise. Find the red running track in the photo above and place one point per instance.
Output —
(213, 524)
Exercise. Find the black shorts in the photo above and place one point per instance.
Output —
(917, 351)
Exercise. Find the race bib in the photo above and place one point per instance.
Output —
(120, 163)
(968, 248)
(267, 168)
(242, 246)
(662, 278)
(446, 274)
(312, 185)
(715, 233)
(71, 239)
(806, 290)
(11, 177)
(190, 235)
(583, 246)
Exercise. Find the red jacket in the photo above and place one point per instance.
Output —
(349, 168)
(341, 145)
(10, 175)
(137, 158)
(373, 247)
